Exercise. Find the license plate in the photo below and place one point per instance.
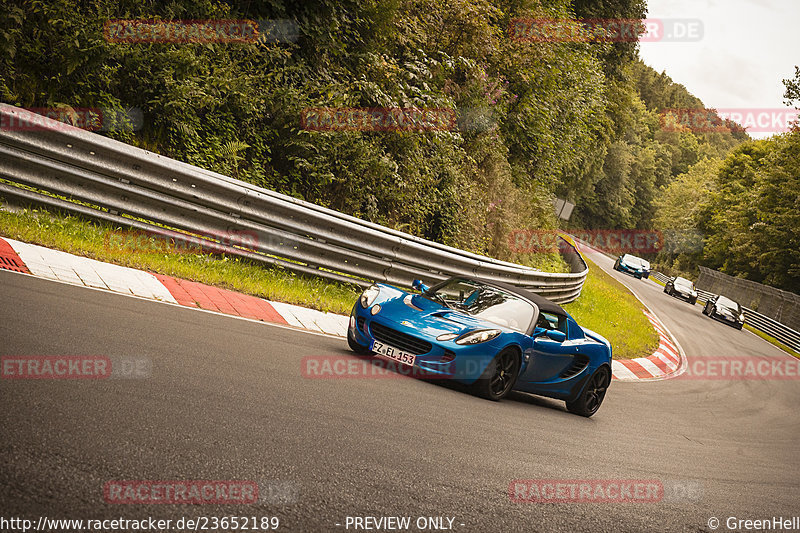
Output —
(393, 353)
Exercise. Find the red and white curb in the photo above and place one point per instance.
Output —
(61, 266)
(666, 362)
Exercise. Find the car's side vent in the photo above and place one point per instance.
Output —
(578, 364)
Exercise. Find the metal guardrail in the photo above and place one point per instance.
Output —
(118, 183)
(763, 323)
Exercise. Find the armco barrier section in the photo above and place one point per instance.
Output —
(66, 168)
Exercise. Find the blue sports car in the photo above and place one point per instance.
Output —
(491, 336)
(631, 264)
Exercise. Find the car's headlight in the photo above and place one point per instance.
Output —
(369, 295)
(741, 317)
(477, 337)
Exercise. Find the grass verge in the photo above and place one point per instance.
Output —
(90, 239)
(609, 308)
(605, 305)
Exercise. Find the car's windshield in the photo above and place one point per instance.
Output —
(683, 282)
(483, 301)
(722, 301)
(632, 260)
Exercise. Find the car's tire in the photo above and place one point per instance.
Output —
(707, 309)
(739, 326)
(693, 301)
(665, 289)
(357, 348)
(592, 395)
(647, 276)
(499, 377)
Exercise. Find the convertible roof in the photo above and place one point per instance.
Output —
(541, 302)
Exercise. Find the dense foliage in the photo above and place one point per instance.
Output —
(577, 120)
(746, 207)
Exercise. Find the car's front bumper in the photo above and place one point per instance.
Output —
(730, 320)
(630, 270)
(444, 359)
(684, 295)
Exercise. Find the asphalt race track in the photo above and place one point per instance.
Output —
(226, 400)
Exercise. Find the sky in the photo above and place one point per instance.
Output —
(746, 48)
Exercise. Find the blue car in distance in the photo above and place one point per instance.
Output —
(491, 336)
(631, 264)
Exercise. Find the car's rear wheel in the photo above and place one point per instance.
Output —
(593, 394)
(707, 309)
(499, 377)
(361, 350)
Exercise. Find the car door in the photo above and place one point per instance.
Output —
(549, 357)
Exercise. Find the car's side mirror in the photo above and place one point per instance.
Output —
(418, 285)
(555, 335)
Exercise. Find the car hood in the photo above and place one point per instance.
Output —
(430, 317)
(682, 289)
(632, 267)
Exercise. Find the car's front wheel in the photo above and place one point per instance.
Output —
(693, 300)
(593, 394)
(499, 377)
